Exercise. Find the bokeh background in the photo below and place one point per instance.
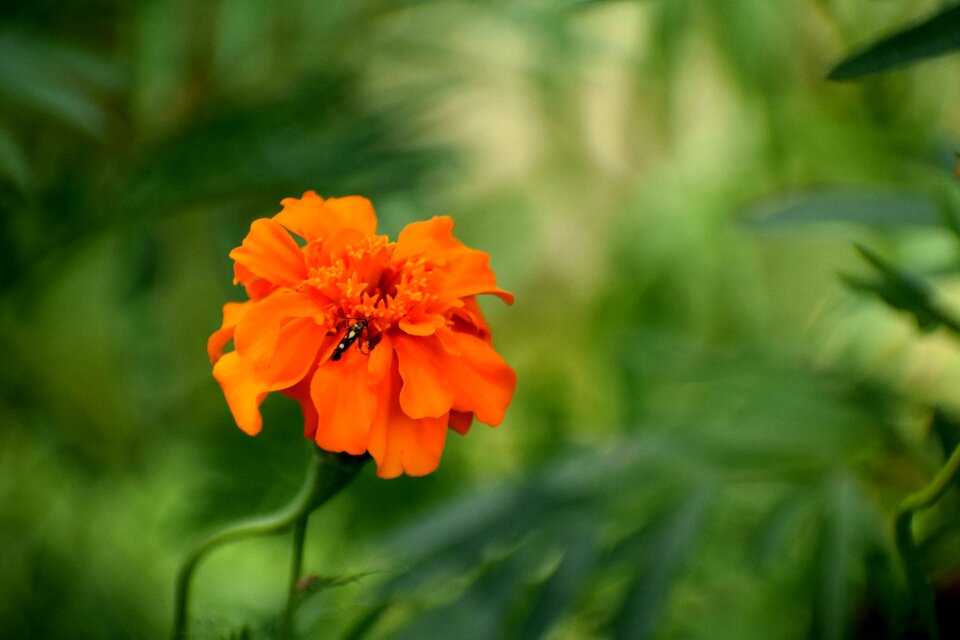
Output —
(711, 427)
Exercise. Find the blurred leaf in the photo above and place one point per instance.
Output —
(780, 525)
(13, 164)
(946, 430)
(556, 595)
(670, 548)
(904, 291)
(836, 559)
(932, 37)
(54, 80)
(854, 206)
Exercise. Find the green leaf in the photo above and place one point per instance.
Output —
(935, 36)
(481, 611)
(904, 291)
(13, 164)
(560, 590)
(671, 546)
(59, 82)
(836, 557)
(780, 526)
(884, 208)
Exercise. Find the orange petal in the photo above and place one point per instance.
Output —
(313, 218)
(297, 346)
(469, 317)
(270, 253)
(426, 392)
(242, 391)
(301, 393)
(255, 286)
(232, 313)
(304, 216)
(338, 241)
(463, 271)
(417, 236)
(258, 330)
(401, 444)
(469, 274)
(461, 421)
(423, 324)
(345, 403)
(356, 212)
(380, 361)
(480, 379)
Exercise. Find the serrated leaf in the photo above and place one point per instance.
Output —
(932, 37)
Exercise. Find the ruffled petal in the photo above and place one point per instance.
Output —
(304, 216)
(313, 218)
(270, 253)
(356, 212)
(462, 271)
(426, 391)
(401, 444)
(422, 324)
(297, 346)
(245, 384)
(301, 393)
(243, 391)
(482, 382)
(232, 313)
(380, 360)
(255, 286)
(469, 274)
(258, 329)
(345, 403)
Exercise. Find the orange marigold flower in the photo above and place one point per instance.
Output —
(382, 343)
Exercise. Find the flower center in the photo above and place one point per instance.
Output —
(360, 280)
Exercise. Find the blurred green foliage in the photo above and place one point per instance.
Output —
(710, 432)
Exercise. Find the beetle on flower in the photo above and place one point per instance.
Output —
(433, 367)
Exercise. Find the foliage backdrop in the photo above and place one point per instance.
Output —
(710, 430)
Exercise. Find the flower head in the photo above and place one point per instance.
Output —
(382, 343)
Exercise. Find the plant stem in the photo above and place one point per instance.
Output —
(920, 591)
(326, 475)
(296, 562)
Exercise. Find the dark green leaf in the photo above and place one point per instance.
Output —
(832, 601)
(669, 550)
(13, 164)
(559, 591)
(904, 291)
(935, 36)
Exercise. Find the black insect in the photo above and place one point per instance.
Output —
(352, 335)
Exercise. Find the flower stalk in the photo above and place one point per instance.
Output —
(326, 475)
(921, 593)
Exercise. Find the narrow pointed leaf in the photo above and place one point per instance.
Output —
(933, 37)
(642, 608)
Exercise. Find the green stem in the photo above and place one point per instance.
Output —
(921, 593)
(326, 475)
(296, 564)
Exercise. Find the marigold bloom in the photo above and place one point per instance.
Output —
(412, 353)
